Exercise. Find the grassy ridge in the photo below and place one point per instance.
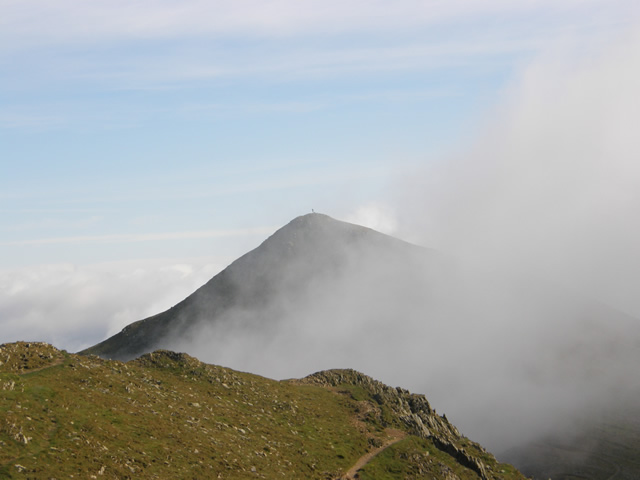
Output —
(167, 415)
(415, 458)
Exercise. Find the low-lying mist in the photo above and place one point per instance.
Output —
(73, 306)
(525, 316)
(506, 358)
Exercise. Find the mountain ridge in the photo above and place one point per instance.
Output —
(168, 415)
(320, 293)
(309, 243)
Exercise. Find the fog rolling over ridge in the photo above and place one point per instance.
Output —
(550, 181)
(507, 357)
(532, 319)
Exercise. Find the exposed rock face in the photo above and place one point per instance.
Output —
(415, 414)
(24, 357)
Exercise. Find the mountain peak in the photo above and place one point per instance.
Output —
(326, 233)
(312, 217)
(319, 223)
(288, 268)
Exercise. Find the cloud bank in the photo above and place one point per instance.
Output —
(540, 213)
(75, 306)
(552, 183)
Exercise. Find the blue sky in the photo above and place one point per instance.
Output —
(166, 136)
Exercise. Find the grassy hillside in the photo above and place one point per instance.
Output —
(167, 415)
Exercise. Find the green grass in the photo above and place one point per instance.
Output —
(412, 458)
(143, 419)
(418, 458)
(167, 415)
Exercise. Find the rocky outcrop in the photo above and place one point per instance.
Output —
(25, 357)
(414, 413)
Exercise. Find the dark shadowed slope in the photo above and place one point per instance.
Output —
(603, 446)
(311, 249)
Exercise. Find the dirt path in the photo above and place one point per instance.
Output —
(56, 362)
(394, 436)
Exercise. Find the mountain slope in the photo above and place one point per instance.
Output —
(167, 415)
(311, 250)
(513, 360)
(604, 446)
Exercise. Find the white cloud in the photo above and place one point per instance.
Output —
(552, 184)
(40, 20)
(143, 237)
(376, 216)
(166, 45)
(75, 306)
